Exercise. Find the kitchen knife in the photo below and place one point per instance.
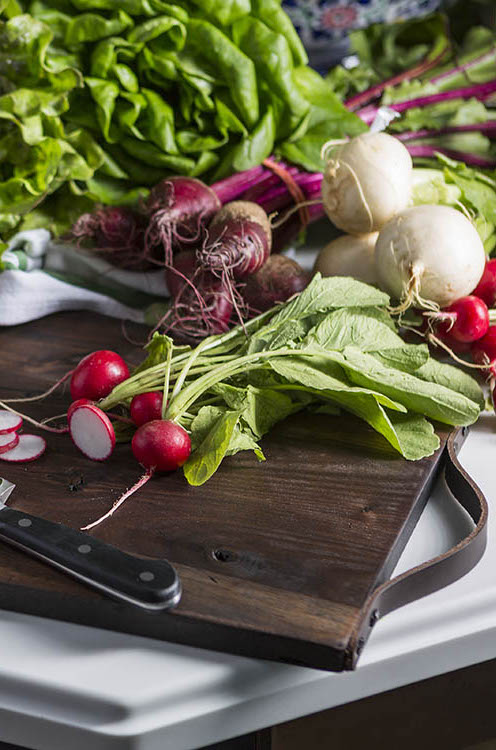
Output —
(148, 583)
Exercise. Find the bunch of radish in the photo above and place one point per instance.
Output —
(159, 445)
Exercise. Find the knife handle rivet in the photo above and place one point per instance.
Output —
(146, 576)
(84, 549)
(25, 522)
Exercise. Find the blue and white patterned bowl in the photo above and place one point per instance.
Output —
(324, 25)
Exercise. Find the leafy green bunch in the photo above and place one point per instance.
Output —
(333, 347)
(100, 100)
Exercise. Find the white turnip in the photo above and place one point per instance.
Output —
(429, 256)
(366, 182)
(350, 255)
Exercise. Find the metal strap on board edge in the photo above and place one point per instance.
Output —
(435, 573)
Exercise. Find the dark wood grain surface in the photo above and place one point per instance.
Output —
(276, 558)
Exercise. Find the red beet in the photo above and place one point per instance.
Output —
(239, 240)
(184, 267)
(115, 231)
(275, 282)
(178, 208)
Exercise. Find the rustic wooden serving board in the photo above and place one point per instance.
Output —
(276, 559)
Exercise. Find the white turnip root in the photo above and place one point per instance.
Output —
(350, 255)
(366, 182)
(429, 256)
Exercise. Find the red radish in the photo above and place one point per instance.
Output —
(28, 448)
(458, 347)
(9, 422)
(7, 441)
(92, 432)
(466, 320)
(177, 208)
(239, 239)
(146, 407)
(77, 404)
(161, 445)
(116, 231)
(275, 282)
(484, 350)
(97, 374)
(486, 288)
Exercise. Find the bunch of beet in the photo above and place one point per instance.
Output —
(215, 251)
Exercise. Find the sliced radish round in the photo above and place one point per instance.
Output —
(76, 404)
(28, 448)
(7, 441)
(92, 432)
(9, 422)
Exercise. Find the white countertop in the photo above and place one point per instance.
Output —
(67, 686)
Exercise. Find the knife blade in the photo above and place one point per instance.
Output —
(148, 583)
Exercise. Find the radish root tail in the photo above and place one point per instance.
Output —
(42, 395)
(140, 483)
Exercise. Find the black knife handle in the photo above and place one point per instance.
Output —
(152, 584)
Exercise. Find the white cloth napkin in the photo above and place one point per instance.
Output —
(28, 290)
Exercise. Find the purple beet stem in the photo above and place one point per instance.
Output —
(481, 91)
(466, 66)
(471, 159)
(374, 92)
(262, 186)
(488, 128)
